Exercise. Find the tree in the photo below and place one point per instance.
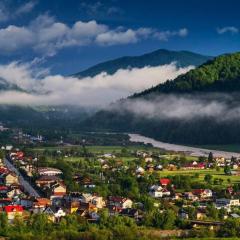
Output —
(210, 157)
(3, 223)
(169, 219)
(227, 170)
(208, 178)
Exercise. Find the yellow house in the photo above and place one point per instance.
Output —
(11, 178)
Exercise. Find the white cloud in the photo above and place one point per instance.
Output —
(229, 29)
(117, 37)
(165, 35)
(43, 89)
(99, 9)
(47, 36)
(9, 11)
(26, 8)
(14, 38)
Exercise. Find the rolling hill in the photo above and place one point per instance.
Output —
(156, 58)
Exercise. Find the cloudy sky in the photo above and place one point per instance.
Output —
(70, 35)
(43, 42)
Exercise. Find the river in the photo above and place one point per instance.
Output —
(194, 151)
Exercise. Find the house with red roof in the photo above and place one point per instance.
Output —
(165, 181)
(203, 193)
(194, 166)
(12, 211)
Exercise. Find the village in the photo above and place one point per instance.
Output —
(201, 192)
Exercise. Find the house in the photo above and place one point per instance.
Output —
(58, 190)
(159, 167)
(85, 209)
(11, 178)
(95, 200)
(41, 203)
(141, 154)
(190, 196)
(12, 211)
(226, 203)
(98, 202)
(183, 214)
(194, 166)
(140, 170)
(108, 155)
(172, 167)
(119, 203)
(203, 193)
(9, 147)
(5, 202)
(86, 197)
(47, 180)
(130, 212)
(105, 166)
(220, 161)
(87, 182)
(93, 216)
(73, 206)
(201, 214)
(4, 190)
(49, 171)
(157, 191)
(14, 193)
(165, 181)
(148, 159)
(54, 214)
(150, 168)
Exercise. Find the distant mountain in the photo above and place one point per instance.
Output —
(213, 89)
(156, 58)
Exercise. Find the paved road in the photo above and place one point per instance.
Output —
(194, 151)
(26, 185)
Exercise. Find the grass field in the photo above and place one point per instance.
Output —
(98, 149)
(216, 174)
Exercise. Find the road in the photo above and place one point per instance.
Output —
(194, 151)
(26, 185)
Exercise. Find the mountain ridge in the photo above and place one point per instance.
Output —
(155, 58)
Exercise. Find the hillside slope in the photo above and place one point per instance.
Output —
(220, 74)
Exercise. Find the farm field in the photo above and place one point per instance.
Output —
(97, 149)
(215, 174)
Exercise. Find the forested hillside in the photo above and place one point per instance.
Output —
(213, 89)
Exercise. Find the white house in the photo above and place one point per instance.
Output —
(140, 170)
(226, 203)
(157, 191)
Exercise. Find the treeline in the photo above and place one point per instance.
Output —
(75, 227)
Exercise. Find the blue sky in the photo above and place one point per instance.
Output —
(69, 35)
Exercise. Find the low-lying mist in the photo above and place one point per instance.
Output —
(38, 87)
(218, 106)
